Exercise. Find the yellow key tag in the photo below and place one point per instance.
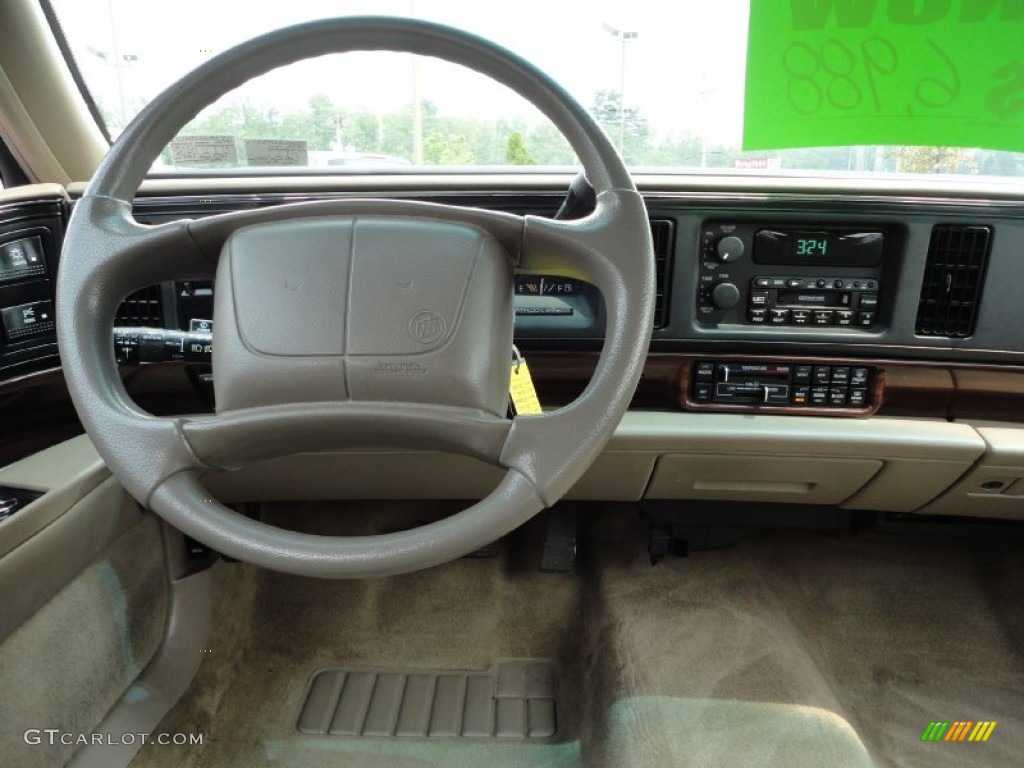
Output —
(524, 396)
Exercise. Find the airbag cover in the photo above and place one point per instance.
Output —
(363, 308)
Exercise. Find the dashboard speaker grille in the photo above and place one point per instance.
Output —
(142, 308)
(951, 292)
(663, 235)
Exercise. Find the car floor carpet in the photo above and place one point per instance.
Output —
(785, 650)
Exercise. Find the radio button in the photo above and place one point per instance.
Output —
(858, 398)
(762, 282)
(822, 374)
(841, 374)
(779, 316)
(758, 316)
(759, 298)
(868, 301)
(794, 283)
(859, 377)
(801, 395)
(725, 295)
(730, 248)
(802, 374)
(865, 319)
(819, 395)
(702, 393)
(844, 318)
(821, 283)
(823, 317)
(838, 284)
(801, 317)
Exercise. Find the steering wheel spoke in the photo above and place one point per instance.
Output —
(119, 255)
(236, 438)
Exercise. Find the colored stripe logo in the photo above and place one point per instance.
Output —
(958, 730)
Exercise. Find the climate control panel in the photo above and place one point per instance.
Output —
(773, 385)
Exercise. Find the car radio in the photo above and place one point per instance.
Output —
(810, 276)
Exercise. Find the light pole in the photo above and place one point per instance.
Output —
(623, 38)
(417, 102)
(120, 62)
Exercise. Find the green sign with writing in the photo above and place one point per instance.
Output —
(896, 72)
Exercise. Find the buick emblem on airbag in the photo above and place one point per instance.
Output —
(426, 327)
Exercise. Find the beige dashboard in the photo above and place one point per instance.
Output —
(883, 464)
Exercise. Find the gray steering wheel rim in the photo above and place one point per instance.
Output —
(102, 220)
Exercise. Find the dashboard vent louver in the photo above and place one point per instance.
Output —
(663, 235)
(951, 292)
(142, 308)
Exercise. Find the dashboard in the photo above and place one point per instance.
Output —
(804, 309)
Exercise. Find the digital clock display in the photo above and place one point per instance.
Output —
(811, 246)
(818, 247)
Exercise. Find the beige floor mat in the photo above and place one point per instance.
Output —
(789, 650)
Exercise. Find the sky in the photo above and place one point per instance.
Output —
(684, 70)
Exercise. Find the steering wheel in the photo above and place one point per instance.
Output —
(352, 323)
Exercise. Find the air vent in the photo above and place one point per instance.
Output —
(663, 234)
(143, 307)
(953, 277)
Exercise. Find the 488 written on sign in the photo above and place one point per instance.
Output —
(842, 75)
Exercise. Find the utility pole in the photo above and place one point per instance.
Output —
(417, 103)
(623, 38)
(119, 61)
(417, 113)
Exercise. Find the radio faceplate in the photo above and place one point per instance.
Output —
(812, 277)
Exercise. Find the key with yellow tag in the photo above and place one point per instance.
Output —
(521, 389)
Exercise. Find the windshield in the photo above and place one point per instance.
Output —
(671, 83)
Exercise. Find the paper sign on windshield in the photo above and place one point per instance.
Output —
(204, 149)
(276, 152)
(892, 72)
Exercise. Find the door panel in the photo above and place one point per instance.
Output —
(84, 593)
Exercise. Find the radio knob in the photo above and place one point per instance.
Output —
(725, 295)
(730, 248)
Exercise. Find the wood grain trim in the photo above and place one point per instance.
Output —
(561, 377)
(911, 388)
(988, 395)
(920, 389)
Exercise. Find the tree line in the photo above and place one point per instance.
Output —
(485, 140)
